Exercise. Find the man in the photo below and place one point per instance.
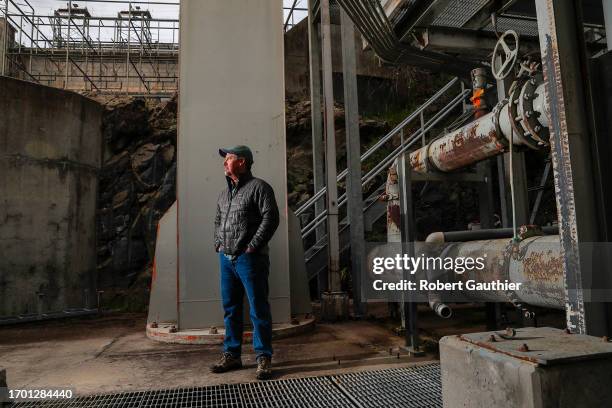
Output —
(246, 219)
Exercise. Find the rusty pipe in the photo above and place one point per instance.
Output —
(534, 262)
(488, 135)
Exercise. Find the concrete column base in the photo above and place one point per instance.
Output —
(334, 306)
(535, 368)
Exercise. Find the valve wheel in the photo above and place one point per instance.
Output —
(508, 55)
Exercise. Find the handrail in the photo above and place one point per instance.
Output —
(320, 218)
(381, 142)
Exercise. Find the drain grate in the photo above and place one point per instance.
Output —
(301, 392)
(415, 387)
(418, 387)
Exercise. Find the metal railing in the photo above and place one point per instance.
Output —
(388, 160)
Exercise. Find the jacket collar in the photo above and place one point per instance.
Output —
(241, 180)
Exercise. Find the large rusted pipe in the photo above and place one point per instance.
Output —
(489, 135)
(535, 262)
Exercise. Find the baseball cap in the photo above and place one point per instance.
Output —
(240, 151)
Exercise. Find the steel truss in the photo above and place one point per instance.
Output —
(131, 53)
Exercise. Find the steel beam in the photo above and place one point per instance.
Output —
(318, 157)
(503, 85)
(408, 236)
(563, 60)
(353, 151)
(330, 154)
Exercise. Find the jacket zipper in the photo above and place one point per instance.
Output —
(225, 218)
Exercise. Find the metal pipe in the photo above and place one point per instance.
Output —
(485, 137)
(434, 298)
(534, 262)
(475, 235)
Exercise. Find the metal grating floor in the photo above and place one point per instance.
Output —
(418, 387)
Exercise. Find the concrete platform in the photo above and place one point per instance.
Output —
(165, 332)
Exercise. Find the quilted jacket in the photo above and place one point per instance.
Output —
(247, 216)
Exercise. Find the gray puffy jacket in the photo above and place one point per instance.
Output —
(247, 216)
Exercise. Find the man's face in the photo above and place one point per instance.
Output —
(234, 165)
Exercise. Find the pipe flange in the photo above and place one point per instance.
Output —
(430, 166)
(538, 133)
(516, 119)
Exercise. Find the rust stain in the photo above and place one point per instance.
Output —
(541, 267)
(467, 147)
(490, 347)
(393, 214)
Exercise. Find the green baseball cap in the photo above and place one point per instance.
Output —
(240, 151)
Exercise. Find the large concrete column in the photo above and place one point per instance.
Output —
(353, 150)
(231, 92)
(562, 49)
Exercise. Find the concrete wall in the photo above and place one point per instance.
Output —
(50, 153)
(231, 92)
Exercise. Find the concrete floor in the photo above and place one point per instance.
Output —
(112, 354)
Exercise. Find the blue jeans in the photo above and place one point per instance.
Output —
(246, 273)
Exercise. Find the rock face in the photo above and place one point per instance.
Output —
(137, 186)
(299, 146)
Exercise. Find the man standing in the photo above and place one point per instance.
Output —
(246, 219)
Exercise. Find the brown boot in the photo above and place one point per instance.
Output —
(264, 368)
(227, 362)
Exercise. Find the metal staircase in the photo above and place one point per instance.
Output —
(316, 255)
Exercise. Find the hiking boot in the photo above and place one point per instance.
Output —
(227, 362)
(264, 368)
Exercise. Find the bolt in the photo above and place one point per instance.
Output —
(154, 325)
(492, 338)
(213, 330)
(523, 347)
(172, 329)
